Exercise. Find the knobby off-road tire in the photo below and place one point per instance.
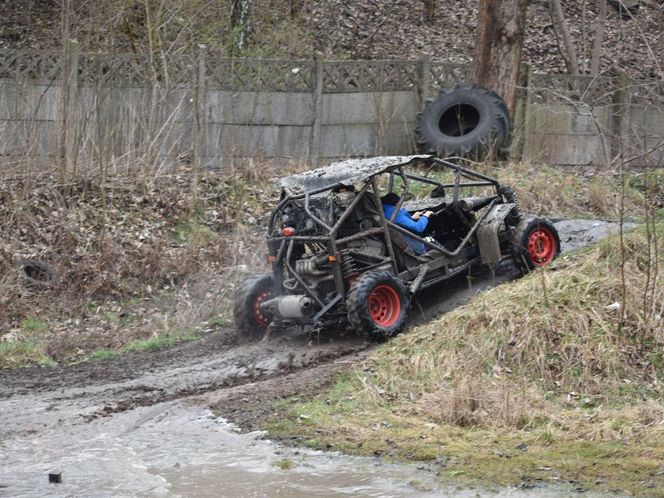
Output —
(536, 243)
(250, 321)
(378, 305)
(466, 121)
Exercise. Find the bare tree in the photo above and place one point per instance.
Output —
(599, 38)
(499, 43)
(560, 27)
(241, 23)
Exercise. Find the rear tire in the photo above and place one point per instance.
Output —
(250, 320)
(378, 305)
(536, 243)
(467, 121)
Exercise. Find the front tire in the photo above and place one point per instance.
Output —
(378, 305)
(250, 320)
(536, 244)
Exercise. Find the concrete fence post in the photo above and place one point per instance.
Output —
(617, 121)
(67, 108)
(519, 117)
(317, 77)
(200, 102)
(528, 118)
(425, 78)
(72, 128)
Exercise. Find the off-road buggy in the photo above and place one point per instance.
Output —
(337, 260)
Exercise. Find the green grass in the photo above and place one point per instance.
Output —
(157, 343)
(470, 455)
(32, 324)
(221, 321)
(192, 231)
(284, 464)
(23, 353)
(152, 344)
(102, 354)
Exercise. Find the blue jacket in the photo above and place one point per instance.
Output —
(405, 220)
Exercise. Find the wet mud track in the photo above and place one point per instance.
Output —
(101, 388)
(53, 407)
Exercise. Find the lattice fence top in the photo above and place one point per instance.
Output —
(646, 92)
(448, 75)
(259, 74)
(30, 65)
(370, 76)
(240, 74)
(562, 88)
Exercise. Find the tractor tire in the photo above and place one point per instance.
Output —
(469, 121)
(250, 321)
(536, 243)
(378, 305)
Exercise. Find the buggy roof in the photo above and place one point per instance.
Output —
(347, 173)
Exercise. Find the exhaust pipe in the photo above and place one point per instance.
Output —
(290, 307)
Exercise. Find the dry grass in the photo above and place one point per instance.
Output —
(570, 193)
(542, 378)
(129, 257)
(555, 335)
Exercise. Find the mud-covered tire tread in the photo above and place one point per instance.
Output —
(243, 313)
(357, 305)
(520, 242)
(492, 132)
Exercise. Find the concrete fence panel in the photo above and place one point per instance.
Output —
(197, 108)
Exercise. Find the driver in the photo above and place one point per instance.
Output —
(415, 223)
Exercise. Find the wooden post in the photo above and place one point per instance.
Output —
(425, 79)
(317, 77)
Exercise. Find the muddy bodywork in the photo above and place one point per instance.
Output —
(329, 228)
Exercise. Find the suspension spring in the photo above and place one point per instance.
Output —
(510, 196)
(348, 266)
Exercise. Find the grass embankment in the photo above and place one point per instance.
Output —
(556, 377)
(556, 192)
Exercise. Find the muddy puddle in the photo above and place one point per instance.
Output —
(575, 234)
(180, 449)
(141, 425)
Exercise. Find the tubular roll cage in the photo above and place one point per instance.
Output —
(280, 248)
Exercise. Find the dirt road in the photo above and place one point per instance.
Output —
(140, 424)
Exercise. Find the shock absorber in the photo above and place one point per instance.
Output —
(510, 196)
(348, 266)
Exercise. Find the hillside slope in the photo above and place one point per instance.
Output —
(556, 377)
(362, 29)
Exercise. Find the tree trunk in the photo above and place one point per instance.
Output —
(294, 8)
(241, 23)
(599, 38)
(429, 10)
(569, 54)
(498, 45)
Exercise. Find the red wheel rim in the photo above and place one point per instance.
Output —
(542, 246)
(260, 317)
(384, 306)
